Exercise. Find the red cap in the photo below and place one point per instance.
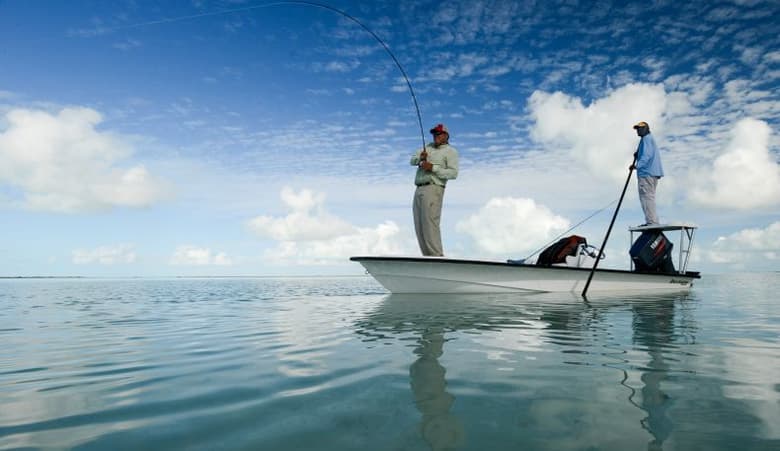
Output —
(439, 129)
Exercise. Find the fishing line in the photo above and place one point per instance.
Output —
(290, 2)
(572, 228)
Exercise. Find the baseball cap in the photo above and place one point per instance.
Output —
(641, 124)
(439, 129)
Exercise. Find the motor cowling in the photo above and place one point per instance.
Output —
(652, 252)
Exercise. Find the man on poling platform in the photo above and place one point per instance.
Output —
(648, 171)
(436, 164)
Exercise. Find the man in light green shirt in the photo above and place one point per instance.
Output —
(436, 164)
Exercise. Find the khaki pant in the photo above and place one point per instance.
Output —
(647, 187)
(427, 215)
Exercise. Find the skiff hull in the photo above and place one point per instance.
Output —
(444, 275)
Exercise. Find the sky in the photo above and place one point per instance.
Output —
(246, 138)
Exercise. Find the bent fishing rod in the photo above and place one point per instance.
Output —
(292, 2)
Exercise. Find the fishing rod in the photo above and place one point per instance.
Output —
(292, 2)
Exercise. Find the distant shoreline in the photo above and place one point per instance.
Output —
(187, 277)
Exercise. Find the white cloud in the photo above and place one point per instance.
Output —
(310, 235)
(741, 92)
(308, 221)
(444, 16)
(127, 44)
(105, 255)
(747, 244)
(772, 57)
(696, 88)
(380, 240)
(745, 176)
(337, 66)
(62, 163)
(497, 70)
(189, 255)
(598, 135)
(222, 259)
(750, 55)
(512, 225)
(656, 67)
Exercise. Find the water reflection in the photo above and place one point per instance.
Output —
(430, 318)
(533, 325)
(653, 328)
(440, 429)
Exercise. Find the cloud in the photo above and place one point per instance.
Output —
(337, 66)
(105, 255)
(310, 235)
(598, 135)
(772, 57)
(62, 163)
(746, 245)
(307, 222)
(380, 240)
(745, 176)
(127, 44)
(512, 225)
(189, 255)
(458, 66)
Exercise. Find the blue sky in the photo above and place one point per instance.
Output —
(159, 138)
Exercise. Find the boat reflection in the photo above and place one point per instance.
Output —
(547, 322)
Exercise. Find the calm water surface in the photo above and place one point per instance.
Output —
(338, 364)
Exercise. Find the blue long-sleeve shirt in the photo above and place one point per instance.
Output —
(648, 160)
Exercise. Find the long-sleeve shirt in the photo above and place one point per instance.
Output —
(445, 165)
(648, 160)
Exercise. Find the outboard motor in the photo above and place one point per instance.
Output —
(652, 252)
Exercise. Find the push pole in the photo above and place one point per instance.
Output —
(609, 230)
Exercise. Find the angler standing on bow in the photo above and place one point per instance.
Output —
(436, 164)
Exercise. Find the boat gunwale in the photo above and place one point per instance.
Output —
(690, 274)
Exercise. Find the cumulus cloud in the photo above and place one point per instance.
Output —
(311, 235)
(597, 135)
(62, 163)
(380, 240)
(308, 221)
(512, 225)
(747, 244)
(745, 176)
(105, 255)
(189, 255)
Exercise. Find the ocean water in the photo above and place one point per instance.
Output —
(339, 364)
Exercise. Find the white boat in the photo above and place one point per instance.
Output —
(449, 275)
